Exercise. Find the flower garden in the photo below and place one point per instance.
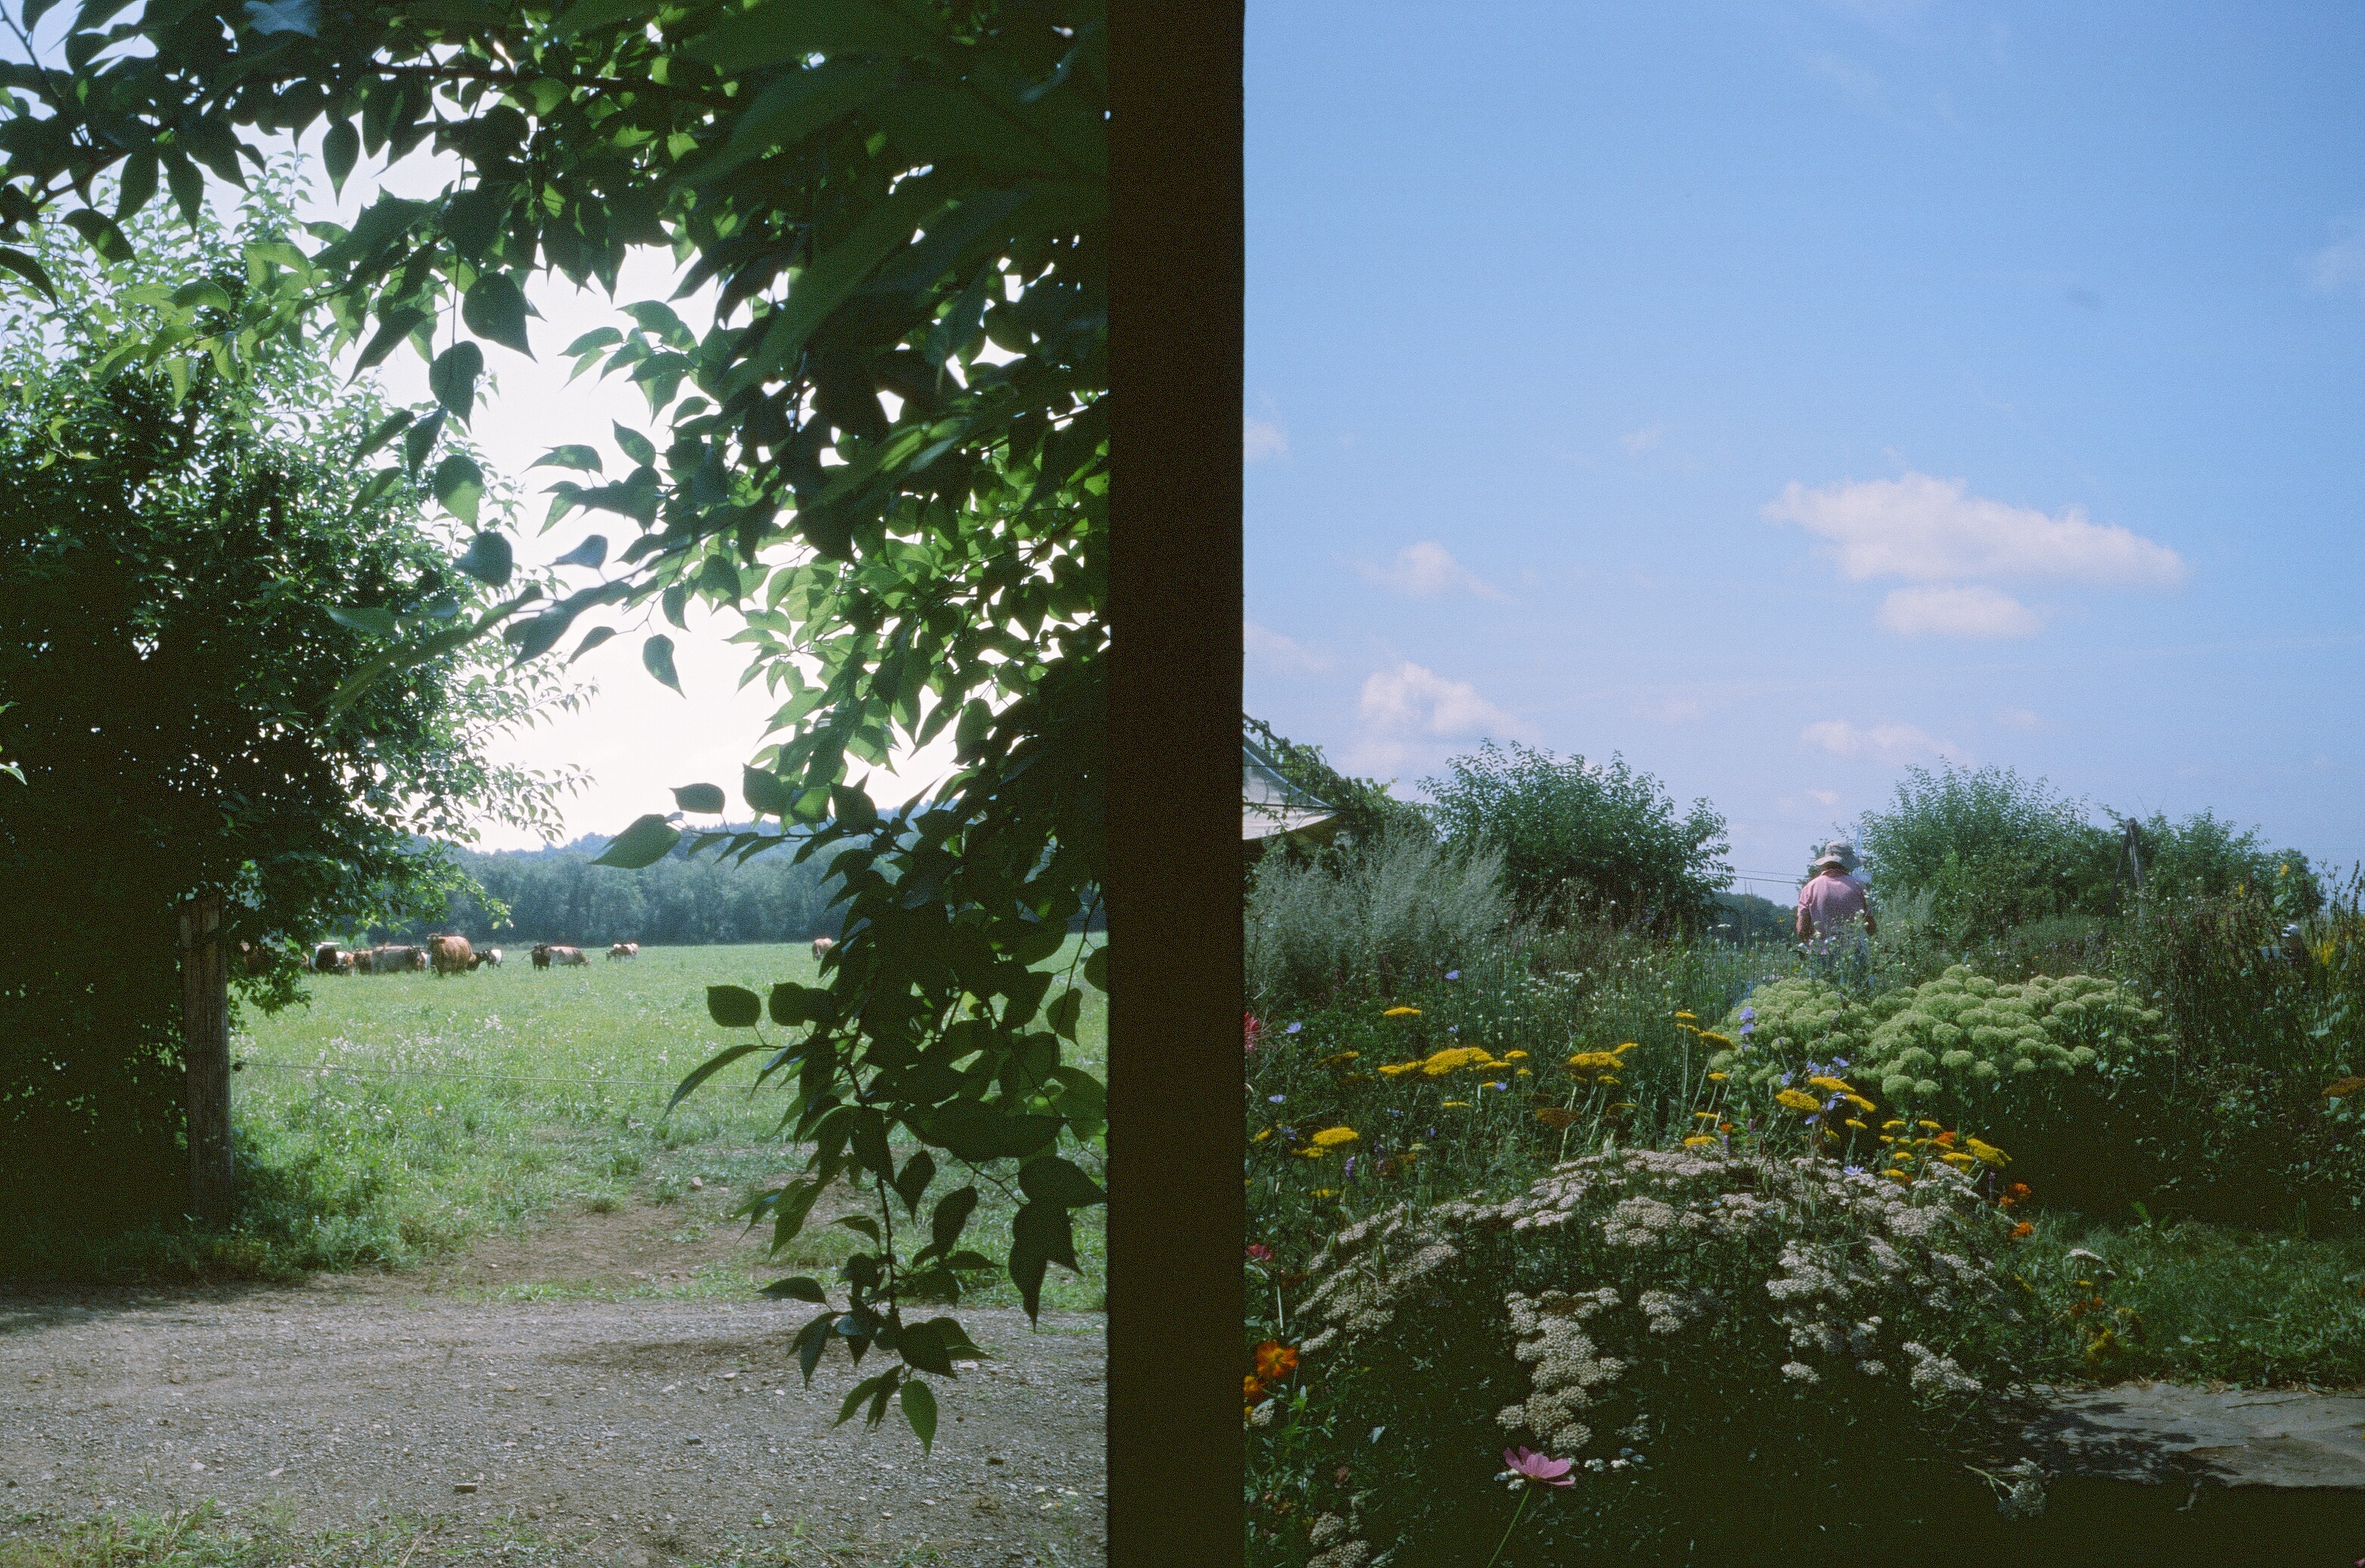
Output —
(1586, 1241)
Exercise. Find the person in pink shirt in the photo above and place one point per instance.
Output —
(1832, 899)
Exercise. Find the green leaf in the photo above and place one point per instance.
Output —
(954, 1339)
(912, 1185)
(24, 267)
(922, 1346)
(825, 284)
(591, 640)
(976, 1132)
(338, 150)
(586, 15)
(949, 1217)
(796, 1201)
(386, 430)
(852, 808)
(707, 1069)
(861, 1224)
(394, 330)
(375, 619)
(460, 486)
(870, 1143)
(797, 1287)
(646, 842)
(1054, 1181)
(590, 553)
(99, 231)
(1040, 1233)
(656, 656)
(919, 1405)
(138, 185)
(784, 29)
(868, 1386)
(794, 108)
(1064, 1012)
(202, 294)
(1096, 970)
(733, 1006)
(583, 459)
(536, 637)
(793, 1004)
(421, 439)
(453, 377)
(472, 218)
(495, 307)
(634, 445)
(705, 798)
(765, 793)
(488, 559)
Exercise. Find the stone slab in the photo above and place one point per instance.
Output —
(2166, 1432)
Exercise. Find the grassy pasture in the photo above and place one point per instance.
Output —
(397, 1116)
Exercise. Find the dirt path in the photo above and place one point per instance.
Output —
(621, 1431)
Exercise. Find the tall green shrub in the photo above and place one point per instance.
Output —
(1401, 907)
(1992, 849)
(1587, 840)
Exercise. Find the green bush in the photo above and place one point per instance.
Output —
(1993, 850)
(1798, 1332)
(1585, 840)
(1398, 911)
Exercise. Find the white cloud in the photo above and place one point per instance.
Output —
(1406, 709)
(1637, 443)
(1958, 612)
(2339, 267)
(1825, 797)
(2019, 719)
(1274, 653)
(1426, 570)
(1930, 530)
(1261, 439)
(1882, 743)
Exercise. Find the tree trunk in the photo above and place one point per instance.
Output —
(205, 1046)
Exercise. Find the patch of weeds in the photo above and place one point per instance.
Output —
(669, 1189)
(603, 1203)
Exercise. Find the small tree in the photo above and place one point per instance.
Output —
(1586, 839)
(186, 573)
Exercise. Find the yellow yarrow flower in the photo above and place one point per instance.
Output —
(1401, 1013)
(1524, 1071)
(1833, 1084)
(1596, 1061)
(1515, 1055)
(1629, 1046)
(1932, 1125)
(1686, 1018)
(1398, 1069)
(1703, 1116)
(1698, 1139)
(1858, 1126)
(1959, 1162)
(1890, 1127)
(1717, 1077)
(1325, 1192)
(1899, 1177)
(1263, 1135)
(1334, 1137)
(1859, 1101)
(1797, 1100)
(1987, 1153)
(1712, 1037)
(1457, 1104)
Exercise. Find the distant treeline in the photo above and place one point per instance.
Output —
(556, 894)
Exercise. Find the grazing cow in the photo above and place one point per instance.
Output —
(541, 955)
(549, 953)
(451, 955)
(348, 963)
(822, 944)
(327, 959)
(624, 950)
(492, 957)
(390, 960)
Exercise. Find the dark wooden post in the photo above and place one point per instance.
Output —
(205, 1045)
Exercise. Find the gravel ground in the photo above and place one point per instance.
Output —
(625, 1431)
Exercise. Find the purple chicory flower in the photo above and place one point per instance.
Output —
(1785, 1084)
(1277, 1099)
(1541, 1468)
(1293, 1028)
(1453, 974)
(1749, 1015)
(1851, 1169)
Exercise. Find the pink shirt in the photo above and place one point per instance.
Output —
(1828, 903)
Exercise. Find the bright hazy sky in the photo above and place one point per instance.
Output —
(1782, 393)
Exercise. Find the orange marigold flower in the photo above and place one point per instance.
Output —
(1250, 1388)
(1275, 1360)
(2023, 1230)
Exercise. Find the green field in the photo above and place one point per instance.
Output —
(395, 1117)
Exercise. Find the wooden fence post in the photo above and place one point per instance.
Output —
(205, 1046)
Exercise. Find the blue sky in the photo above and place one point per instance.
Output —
(1782, 395)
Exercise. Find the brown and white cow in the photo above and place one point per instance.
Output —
(822, 944)
(624, 950)
(549, 953)
(492, 957)
(328, 959)
(387, 959)
(449, 955)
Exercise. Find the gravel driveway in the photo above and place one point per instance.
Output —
(621, 1432)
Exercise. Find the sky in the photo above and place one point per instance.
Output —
(1782, 395)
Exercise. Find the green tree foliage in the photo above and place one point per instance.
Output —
(1584, 839)
(1994, 851)
(167, 647)
(881, 188)
(560, 896)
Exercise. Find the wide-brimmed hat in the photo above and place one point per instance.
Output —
(1831, 860)
(1840, 850)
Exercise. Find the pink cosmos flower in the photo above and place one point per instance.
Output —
(1260, 1251)
(1540, 1469)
